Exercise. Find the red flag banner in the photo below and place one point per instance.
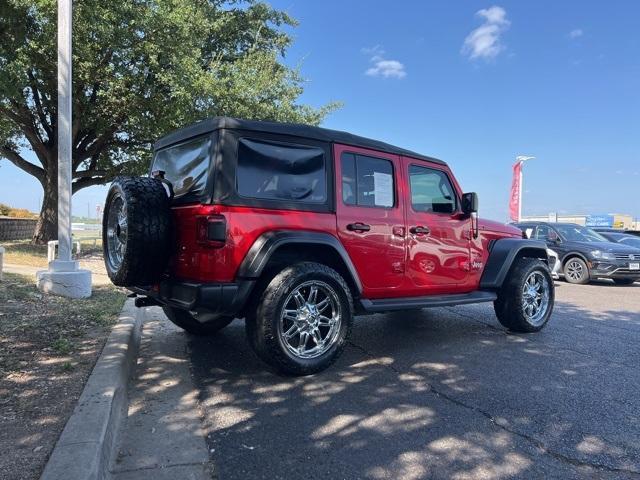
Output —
(514, 199)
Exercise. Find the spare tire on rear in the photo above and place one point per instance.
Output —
(136, 231)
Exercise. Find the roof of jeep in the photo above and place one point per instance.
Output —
(292, 129)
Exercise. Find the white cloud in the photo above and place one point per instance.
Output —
(387, 69)
(484, 42)
(576, 33)
(382, 67)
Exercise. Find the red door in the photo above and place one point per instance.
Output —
(370, 217)
(438, 234)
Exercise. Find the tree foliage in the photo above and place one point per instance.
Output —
(140, 69)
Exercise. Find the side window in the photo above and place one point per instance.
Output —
(185, 165)
(542, 232)
(367, 181)
(349, 188)
(279, 171)
(431, 190)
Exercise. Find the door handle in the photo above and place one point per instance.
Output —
(420, 230)
(358, 227)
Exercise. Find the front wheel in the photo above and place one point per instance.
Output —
(201, 326)
(302, 320)
(525, 302)
(576, 271)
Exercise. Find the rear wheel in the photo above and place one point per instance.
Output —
(302, 320)
(201, 326)
(624, 281)
(576, 271)
(525, 301)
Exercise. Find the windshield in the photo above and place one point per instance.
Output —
(576, 233)
(631, 241)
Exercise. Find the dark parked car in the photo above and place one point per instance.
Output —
(622, 238)
(635, 233)
(586, 254)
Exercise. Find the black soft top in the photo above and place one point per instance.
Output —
(291, 129)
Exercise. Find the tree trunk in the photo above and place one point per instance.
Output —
(47, 226)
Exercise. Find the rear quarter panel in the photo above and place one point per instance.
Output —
(196, 262)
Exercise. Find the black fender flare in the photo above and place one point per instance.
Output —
(503, 252)
(571, 254)
(266, 244)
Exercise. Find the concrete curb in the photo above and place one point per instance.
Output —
(85, 447)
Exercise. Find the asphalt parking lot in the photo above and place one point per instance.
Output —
(442, 393)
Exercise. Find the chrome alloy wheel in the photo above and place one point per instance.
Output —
(535, 298)
(116, 232)
(310, 320)
(575, 270)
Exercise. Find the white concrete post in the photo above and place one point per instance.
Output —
(51, 250)
(63, 277)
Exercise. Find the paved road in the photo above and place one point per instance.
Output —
(445, 393)
(161, 437)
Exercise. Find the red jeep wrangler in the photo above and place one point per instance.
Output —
(297, 229)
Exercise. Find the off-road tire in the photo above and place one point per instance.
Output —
(148, 235)
(187, 322)
(584, 279)
(261, 322)
(624, 281)
(509, 304)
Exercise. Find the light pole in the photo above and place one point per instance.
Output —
(521, 159)
(63, 276)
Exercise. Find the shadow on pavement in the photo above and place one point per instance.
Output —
(445, 393)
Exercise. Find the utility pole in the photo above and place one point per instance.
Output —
(63, 276)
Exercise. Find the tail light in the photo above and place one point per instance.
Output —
(211, 230)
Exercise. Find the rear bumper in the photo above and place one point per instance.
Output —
(218, 298)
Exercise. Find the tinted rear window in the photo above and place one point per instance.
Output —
(281, 171)
(186, 166)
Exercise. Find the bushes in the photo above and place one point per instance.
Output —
(7, 211)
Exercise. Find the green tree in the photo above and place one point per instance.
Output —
(140, 69)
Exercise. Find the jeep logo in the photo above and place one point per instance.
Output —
(632, 257)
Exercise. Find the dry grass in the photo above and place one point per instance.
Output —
(22, 252)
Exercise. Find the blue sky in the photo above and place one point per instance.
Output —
(475, 84)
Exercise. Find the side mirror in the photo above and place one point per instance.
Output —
(470, 203)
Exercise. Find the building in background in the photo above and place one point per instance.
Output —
(609, 220)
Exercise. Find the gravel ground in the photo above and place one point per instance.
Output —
(48, 346)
